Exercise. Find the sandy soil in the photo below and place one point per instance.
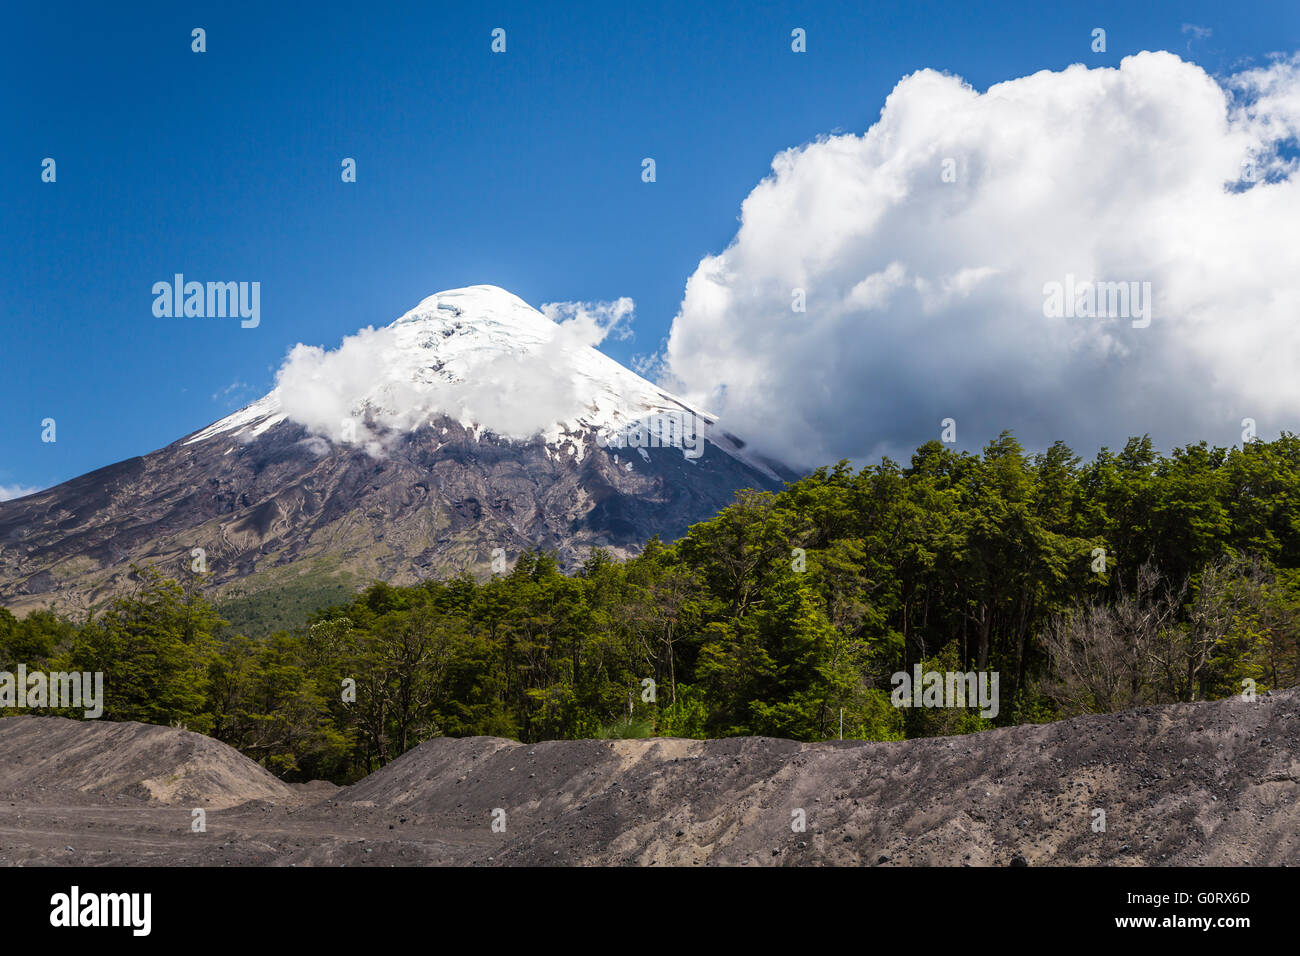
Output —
(1213, 783)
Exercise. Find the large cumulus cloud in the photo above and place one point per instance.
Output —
(925, 298)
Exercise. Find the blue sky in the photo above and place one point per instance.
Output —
(520, 170)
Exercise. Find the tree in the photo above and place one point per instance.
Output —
(154, 647)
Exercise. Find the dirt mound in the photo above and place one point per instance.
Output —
(1214, 783)
(48, 758)
(1209, 783)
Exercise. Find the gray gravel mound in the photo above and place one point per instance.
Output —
(51, 758)
(1205, 783)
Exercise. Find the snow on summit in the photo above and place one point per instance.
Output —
(479, 355)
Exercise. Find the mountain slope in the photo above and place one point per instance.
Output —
(470, 424)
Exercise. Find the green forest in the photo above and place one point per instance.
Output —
(1127, 580)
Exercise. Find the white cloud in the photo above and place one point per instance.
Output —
(233, 395)
(9, 492)
(495, 364)
(925, 297)
(590, 323)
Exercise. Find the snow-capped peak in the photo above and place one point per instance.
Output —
(481, 356)
(487, 301)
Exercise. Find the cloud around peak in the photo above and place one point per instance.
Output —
(479, 356)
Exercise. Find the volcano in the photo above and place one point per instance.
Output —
(470, 429)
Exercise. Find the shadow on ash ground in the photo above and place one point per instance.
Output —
(1210, 783)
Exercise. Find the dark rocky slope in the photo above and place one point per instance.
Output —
(284, 506)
